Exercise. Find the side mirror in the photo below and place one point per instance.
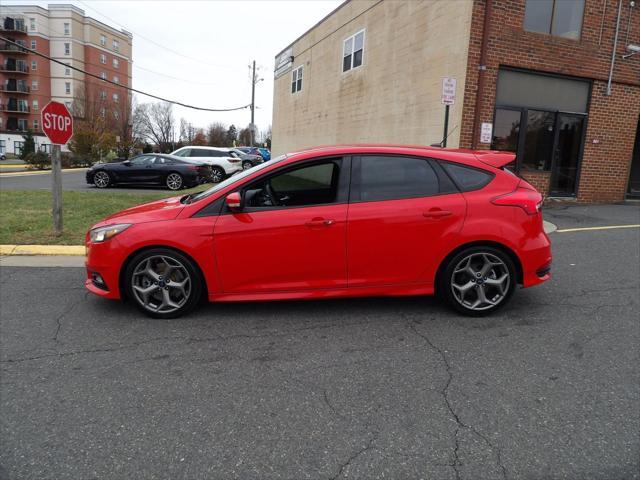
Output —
(127, 163)
(234, 201)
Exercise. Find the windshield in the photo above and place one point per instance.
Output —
(239, 176)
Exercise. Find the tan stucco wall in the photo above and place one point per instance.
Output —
(394, 97)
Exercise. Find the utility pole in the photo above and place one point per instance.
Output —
(253, 100)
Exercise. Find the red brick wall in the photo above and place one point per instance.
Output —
(612, 119)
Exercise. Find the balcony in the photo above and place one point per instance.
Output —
(16, 125)
(10, 24)
(15, 108)
(14, 68)
(15, 89)
(6, 47)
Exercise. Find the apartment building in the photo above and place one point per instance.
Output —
(28, 82)
(555, 81)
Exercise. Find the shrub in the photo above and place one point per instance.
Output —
(39, 160)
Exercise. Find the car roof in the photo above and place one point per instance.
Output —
(206, 147)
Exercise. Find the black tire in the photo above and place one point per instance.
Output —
(492, 289)
(195, 291)
(246, 165)
(174, 181)
(217, 174)
(102, 179)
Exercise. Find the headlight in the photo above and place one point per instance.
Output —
(102, 234)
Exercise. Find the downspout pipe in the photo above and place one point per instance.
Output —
(482, 68)
(615, 47)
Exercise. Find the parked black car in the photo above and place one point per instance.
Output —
(150, 168)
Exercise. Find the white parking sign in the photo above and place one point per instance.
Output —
(448, 91)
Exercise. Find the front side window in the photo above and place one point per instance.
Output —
(394, 177)
(562, 18)
(315, 184)
(142, 160)
(296, 80)
(352, 51)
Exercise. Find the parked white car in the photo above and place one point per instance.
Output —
(223, 161)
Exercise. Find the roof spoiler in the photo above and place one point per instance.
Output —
(494, 158)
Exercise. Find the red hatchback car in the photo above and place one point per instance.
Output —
(341, 221)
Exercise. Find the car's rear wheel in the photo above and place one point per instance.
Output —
(217, 174)
(163, 283)
(101, 179)
(478, 280)
(174, 181)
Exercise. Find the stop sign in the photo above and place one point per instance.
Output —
(57, 123)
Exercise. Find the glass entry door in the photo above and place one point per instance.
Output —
(566, 154)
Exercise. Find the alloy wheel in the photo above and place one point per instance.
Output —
(480, 281)
(216, 175)
(174, 181)
(101, 179)
(161, 284)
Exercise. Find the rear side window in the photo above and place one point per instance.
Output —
(183, 153)
(394, 177)
(467, 178)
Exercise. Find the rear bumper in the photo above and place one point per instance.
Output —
(536, 261)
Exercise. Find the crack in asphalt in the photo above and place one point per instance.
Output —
(67, 311)
(354, 456)
(460, 424)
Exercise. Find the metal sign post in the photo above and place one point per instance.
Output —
(448, 98)
(57, 124)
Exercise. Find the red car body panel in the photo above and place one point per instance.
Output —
(391, 247)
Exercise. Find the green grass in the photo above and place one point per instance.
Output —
(25, 215)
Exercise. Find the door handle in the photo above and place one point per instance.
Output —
(436, 213)
(319, 222)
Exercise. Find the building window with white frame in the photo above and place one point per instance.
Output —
(116, 79)
(34, 65)
(116, 98)
(116, 114)
(103, 75)
(352, 51)
(103, 40)
(36, 124)
(67, 70)
(103, 95)
(35, 105)
(67, 88)
(32, 24)
(116, 62)
(67, 49)
(116, 45)
(34, 44)
(296, 80)
(103, 59)
(34, 85)
(103, 112)
(67, 29)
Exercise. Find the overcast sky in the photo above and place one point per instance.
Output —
(225, 35)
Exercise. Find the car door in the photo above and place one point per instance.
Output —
(290, 234)
(403, 214)
(139, 170)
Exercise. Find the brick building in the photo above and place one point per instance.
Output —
(537, 77)
(28, 82)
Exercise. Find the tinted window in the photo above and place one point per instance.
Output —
(183, 153)
(311, 185)
(467, 178)
(386, 178)
(164, 161)
(141, 160)
(557, 17)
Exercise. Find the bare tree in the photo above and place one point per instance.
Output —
(154, 123)
(187, 132)
(244, 137)
(217, 135)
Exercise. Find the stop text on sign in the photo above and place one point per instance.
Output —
(55, 121)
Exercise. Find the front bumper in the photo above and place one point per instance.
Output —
(103, 260)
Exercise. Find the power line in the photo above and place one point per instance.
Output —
(175, 52)
(119, 85)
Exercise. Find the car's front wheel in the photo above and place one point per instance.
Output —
(174, 181)
(478, 280)
(217, 174)
(163, 283)
(101, 179)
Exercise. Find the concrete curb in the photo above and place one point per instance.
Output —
(74, 250)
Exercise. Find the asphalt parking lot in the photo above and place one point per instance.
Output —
(366, 388)
(71, 180)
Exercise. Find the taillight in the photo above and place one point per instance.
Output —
(528, 200)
